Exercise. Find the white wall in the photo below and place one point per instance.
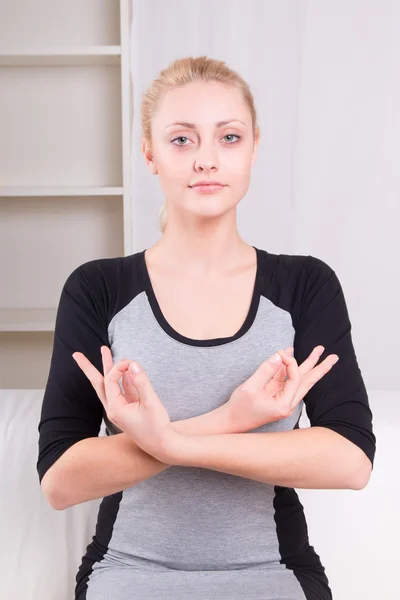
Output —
(325, 77)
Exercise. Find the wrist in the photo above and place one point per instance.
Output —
(215, 422)
(171, 448)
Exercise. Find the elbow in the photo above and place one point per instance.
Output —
(52, 500)
(56, 505)
(362, 475)
(359, 484)
(51, 492)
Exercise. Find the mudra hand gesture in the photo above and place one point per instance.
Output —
(138, 411)
(275, 389)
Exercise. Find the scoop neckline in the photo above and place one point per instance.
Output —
(165, 325)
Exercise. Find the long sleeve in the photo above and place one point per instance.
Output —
(71, 409)
(339, 400)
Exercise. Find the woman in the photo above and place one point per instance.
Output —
(197, 504)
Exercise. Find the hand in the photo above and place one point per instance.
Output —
(275, 389)
(138, 411)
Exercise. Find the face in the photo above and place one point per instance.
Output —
(183, 155)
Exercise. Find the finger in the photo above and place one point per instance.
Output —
(312, 377)
(282, 374)
(263, 374)
(311, 360)
(94, 376)
(305, 367)
(131, 393)
(293, 380)
(107, 359)
(318, 372)
(111, 384)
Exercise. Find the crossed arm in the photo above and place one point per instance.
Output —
(314, 457)
(310, 458)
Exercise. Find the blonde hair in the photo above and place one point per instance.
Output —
(181, 72)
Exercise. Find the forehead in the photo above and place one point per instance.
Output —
(201, 103)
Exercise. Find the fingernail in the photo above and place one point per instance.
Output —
(134, 367)
(275, 358)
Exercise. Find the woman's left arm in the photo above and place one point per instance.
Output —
(309, 458)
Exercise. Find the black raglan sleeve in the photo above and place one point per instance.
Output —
(71, 409)
(339, 400)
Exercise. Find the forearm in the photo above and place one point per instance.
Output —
(309, 458)
(99, 466)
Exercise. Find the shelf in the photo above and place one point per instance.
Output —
(62, 56)
(19, 191)
(27, 319)
(66, 115)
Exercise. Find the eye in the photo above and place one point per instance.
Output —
(232, 135)
(182, 137)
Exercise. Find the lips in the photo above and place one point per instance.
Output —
(204, 183)
(208, 188)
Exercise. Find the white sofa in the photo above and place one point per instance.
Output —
(356, 533)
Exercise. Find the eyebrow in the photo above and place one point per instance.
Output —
(193, 126)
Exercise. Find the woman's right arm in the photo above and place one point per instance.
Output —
(75, 464)
(99, 466)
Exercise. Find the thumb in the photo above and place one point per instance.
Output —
(266, 371)
(140, 380)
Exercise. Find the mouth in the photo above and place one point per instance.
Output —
(209, 188)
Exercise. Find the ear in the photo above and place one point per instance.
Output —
(256, 142)
(146, 149)
(151, 164)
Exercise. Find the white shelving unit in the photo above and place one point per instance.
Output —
(65, 189)
(60, 191)
(62, 56)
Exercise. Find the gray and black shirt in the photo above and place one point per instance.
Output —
(188, 532)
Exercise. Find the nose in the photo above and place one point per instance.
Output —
(205, 166)
(206, 159)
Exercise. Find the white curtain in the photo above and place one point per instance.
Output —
(326, 81)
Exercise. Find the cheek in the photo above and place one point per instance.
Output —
(237, 162)
(238, 172)
(171, 170)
